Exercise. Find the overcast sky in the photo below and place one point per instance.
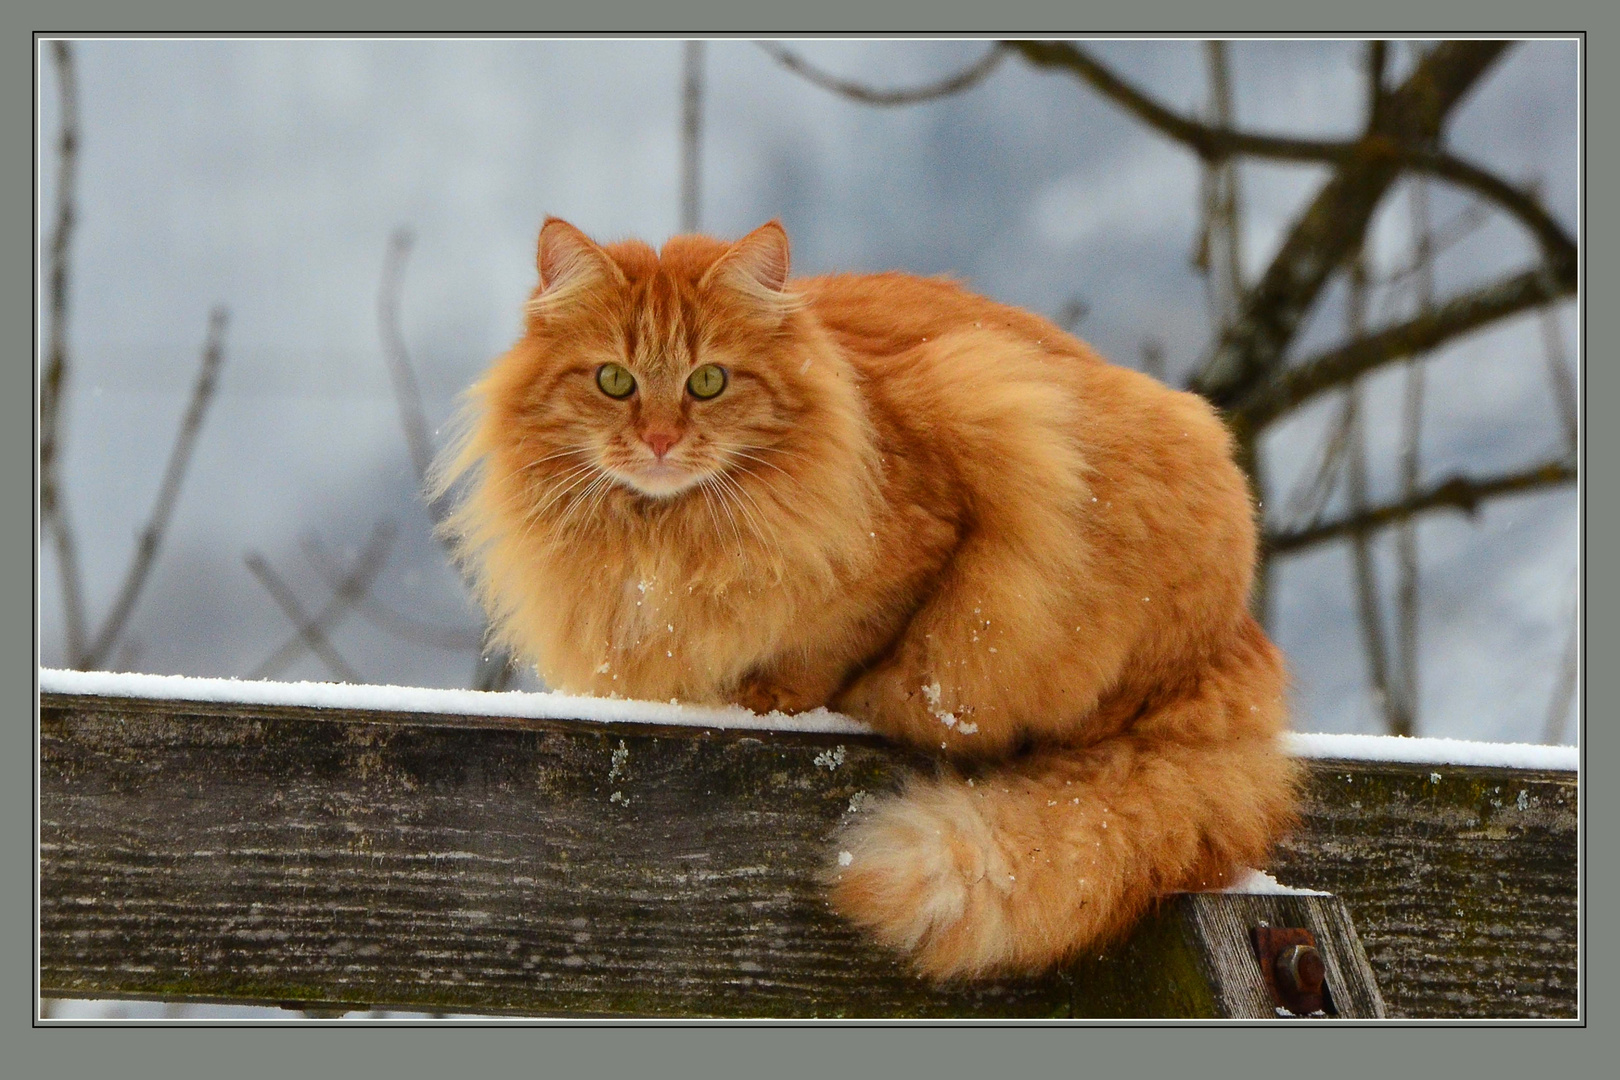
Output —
(268, 176)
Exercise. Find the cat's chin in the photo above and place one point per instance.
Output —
(660, 481)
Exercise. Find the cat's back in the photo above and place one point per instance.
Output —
(873, 316)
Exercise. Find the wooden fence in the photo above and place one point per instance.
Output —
(337, 858)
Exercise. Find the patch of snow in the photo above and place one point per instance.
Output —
(845, 858)
(512, 704)
(1434, 751)
(1260, 883)
(509, 704)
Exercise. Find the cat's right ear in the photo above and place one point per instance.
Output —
(756, 268)
(568, 261)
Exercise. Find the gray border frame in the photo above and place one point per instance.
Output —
(184, 1052)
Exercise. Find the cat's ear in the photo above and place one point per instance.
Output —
(757, 267)
(568, 261)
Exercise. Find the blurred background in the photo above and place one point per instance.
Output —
(270, 266)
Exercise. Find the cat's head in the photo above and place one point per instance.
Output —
(692, 387)
(656, 373)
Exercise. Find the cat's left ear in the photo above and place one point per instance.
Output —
(757, 267)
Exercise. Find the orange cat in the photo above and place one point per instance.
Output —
(693, 478)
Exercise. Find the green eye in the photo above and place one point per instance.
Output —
(707, 381)
(615, 381)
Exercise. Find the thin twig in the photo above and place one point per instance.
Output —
(53, 513)
(1369, 606)
(493, 670)
(1457, 493)
(1559, 379)
(1218, 255)
(412, 417)
(382, 616)
(1406, 555)
(1073, 313)
(869, 95)
(1153, 359)
(1459, 228)
(691, 136)
(1308, 501)
(311, 632)
(1564, 683)
(168, 496)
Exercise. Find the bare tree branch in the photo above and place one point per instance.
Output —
(382, 616)
(1291, 387)
(412, 417)
(311, 632)
(691, 135)
(1556, 244)
(954, 84)
(53, 514)
(1217, 142)
(1458, 493)
(168, 496)
(1333, 225)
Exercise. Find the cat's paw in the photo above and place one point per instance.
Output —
(924, 874)
(763, 694)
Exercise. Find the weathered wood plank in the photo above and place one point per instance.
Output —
(1462, 882)
(298, 855)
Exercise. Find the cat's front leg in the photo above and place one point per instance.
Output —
(1005, 651)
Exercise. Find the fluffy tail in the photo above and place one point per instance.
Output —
(1019, 868)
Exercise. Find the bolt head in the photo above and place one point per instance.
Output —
(1300, 970)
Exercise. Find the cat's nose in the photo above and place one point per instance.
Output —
(661, 439)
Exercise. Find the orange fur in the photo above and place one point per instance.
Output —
(936, 513)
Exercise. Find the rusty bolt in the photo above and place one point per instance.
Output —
(1299, 970)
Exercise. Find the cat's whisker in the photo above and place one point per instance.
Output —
(708, 504)
(577, 475)
(579, 500)
(709, 483)
(753, 522)
(788, 452)
(582, 448)
(767, 464)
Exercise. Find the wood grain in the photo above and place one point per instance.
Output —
(323, 858)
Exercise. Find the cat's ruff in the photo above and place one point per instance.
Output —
(936, 513)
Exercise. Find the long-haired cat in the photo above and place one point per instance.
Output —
(694, 478)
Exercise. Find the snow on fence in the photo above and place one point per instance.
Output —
(344, 846)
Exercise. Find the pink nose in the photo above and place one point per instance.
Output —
(661, 441)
